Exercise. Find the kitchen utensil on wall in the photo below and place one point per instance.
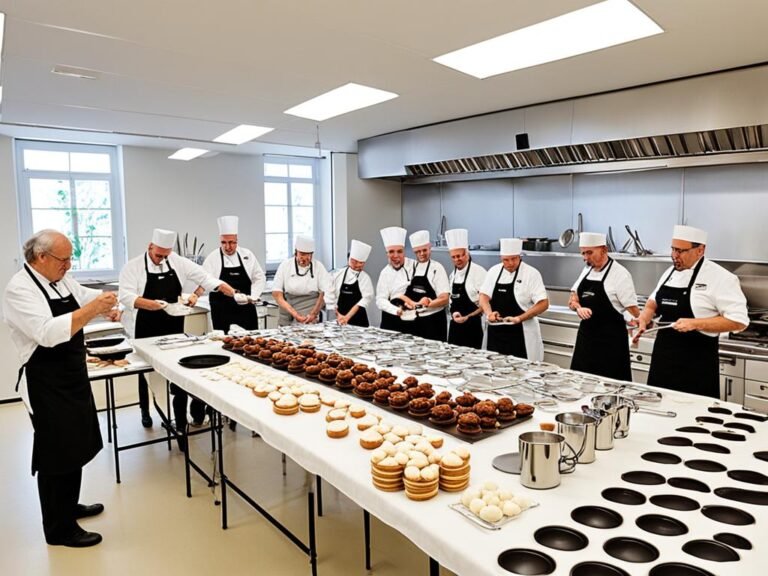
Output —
(566, 238)
(580, 227)
(609, 241)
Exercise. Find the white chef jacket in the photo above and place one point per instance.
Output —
(288, 282)
(392, 283)
(618, 286)
(529, 289)
(255, 273)
(29, 318)
(473, 283)
(133, 280)
(363, 281)
(716, 292)
(437, 278)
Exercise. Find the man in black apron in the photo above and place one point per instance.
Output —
(602, 342)
(353, 287)
(466, 326)
(393, 280)
(300, 285)
(685, 357)
(56, 388)
(428, 292)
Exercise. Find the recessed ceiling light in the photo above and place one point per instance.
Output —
(242, 134)
(601, 25)
(187, 154)
(85, 73)
(340, 101)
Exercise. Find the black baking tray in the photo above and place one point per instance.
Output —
(203, 360)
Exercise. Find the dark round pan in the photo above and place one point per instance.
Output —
(597, 517)
(203, 360)
(733, 540)
(693, 430)
(631, 549)
(526, 561)
(711, 550)
(728, 515)
(740, 426)
(105, 342)
(749, 476)
(762, 455)
(561, 538)
(741, 495)
(728, 435)
(718, 410)
(110, 355)
(624, 496)
(748, 416)
(661, 525)
(688, 484)
(709, 447)
(662, 458)
(643, 477)
(705, 465)
(678, 569)
(675, 502)
(709, 420)
(596, 569)
(675, 441)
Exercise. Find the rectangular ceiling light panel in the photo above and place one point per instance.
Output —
(340, 101)
(187, 154)
(242, 134)
(595, 27)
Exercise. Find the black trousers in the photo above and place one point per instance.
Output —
(59, 495)
(196, 408)
(143, 394)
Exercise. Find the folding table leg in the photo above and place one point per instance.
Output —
(319, 482)
(367, 533)
(434, 567)
(312, 541)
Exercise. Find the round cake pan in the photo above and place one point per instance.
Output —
(643, 477)
(661, 525)
(728, 515)
(526, 561)
(688, 484)
(631, 549)
(624, 496)
(662, 458)
(561, 538)
(597, 517)
(675, 502)
(711, 550)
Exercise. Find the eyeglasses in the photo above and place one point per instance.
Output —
(679, 251)
(62, 260)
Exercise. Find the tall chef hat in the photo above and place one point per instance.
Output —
(359, 250)
(163, 238)
(510, 246)
(689, 234)
(457, 238)
(305, 244)
(589, 239)
(419, 238)
(393, 236)
(227, 225)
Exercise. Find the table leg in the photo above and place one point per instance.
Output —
(115, 443)
(283, 459)
(434, 567)
(168, 412)
(108, 410)
(312, 539)
(222, 475)
(319, 482)
(187, 474)
(367, 535)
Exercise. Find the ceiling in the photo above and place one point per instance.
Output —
(176, 73)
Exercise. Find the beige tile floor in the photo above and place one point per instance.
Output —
(151, 527)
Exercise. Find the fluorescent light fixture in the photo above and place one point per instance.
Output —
(601, 25)
(75, 72)
(187, 154)
(242, 134)
(340, 101)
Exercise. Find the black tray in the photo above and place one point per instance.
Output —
(631, 549)
(203, 360)
(597, 517)
(675, 441)
(661, 458)
(624, 496)
(561, 538)
(592, 568)
(741, 495)
(710, 447)
(728, 515)
(643, 477)
(733, 540)
(749, 476)
(526, 561)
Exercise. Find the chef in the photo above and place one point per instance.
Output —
(512, 295)
(700, 300)
(300, 284)
(604, 298)
(148, 283)
(393, 280)
(352, 287)
(466, 326)
(428, 291)
(238, 267)
(46, 311)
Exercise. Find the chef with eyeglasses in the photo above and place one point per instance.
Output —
(511, 297)
(466, 280)
(393, 280)
(698, 300)
(300, 285)
(352, 288)
(238, 267)
(604, 298)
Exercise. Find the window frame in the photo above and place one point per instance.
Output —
(24, 195)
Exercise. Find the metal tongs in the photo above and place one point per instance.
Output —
(179, 341)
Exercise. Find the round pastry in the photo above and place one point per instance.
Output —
(524, 409)
(313, 371)
(344, 376)
(443, 398)
(410, 381)
(336, 414)
(346, 384)
(346, 364)
(310, 361)
(249, 349)
(337, 429)
(469, 424)
(488, 423)
(399, 400)
(370, 439)
(443, 415)
(486, 409)
(342, 403)
(465, 410)
(306, 352)
(238, 345)
(396, 388)
(419, 407)
(421, 391)
(357, 411)
(436, 441)
(290, 350)
(275, 348)
(321, 356)
(365, 389)
(367, 421)
(265, 355)
(381, 384)
(309, 403)
(467, 399)
(385, 374)
(327, 400)
(328, 375)
(333, 361)
(360, 368)
(506, 410)
(295, 367)
(381, 396)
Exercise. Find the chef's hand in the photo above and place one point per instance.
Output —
(458, 318)
(494, 316)
(685, 325)
(408, 303)
(310, 318)
(103, 303)
(158, 304)
(192, 300)
(512, 319)
(341, 318)
(242, 299)
(114, 315)
(642, 326)
(226, 289)
(399, 312)
(298, 317)
(425, 302)
(584, 313)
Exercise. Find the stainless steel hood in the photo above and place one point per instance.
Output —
(690, 144)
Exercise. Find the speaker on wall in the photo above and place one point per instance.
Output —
(521, 140)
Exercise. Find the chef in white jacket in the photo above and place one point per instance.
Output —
(514, 294)
(238, 267)
(466, 327)
(352, 292)
(300, 285)
(393, 280)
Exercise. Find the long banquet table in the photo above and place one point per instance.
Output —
(464, 547)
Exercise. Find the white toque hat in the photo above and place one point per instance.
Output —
(420, 238)
(163, 238)
(589, 239)
(359, 250)
(305, 244)
(457, 238)
(393, 236)
(689, 234)
(227, 225)
(510, 246)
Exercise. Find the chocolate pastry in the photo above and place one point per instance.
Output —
(486, 409)
(466, 399)
(360, 369)
(381, 396)
(442, 415)
(443, 398)
(488, 423)
(469, 424)
(385, 374)
(396, 387)
(398, 400)
(524, 409)
(365, 389)
(410, 381)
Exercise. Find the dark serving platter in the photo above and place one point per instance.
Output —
(688, 484)
(203, 360)
(597, 517)
(561, 538)
(631, 549)
(661, 525)
(675, 502)
(740, 426)
(728, 515)
(693, 430)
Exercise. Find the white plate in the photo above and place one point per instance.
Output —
(178, 309)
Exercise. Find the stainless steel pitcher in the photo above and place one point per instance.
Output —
(542, 460)
(580, 431)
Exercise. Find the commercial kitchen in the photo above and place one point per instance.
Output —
(530, 134)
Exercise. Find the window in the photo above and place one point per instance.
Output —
(290, 186)
(74, 188)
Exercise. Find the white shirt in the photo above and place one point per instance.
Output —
(437, 278)
(716, 292)
(473, 283)
(255, 273)
(133, 280)
(618, 285)
(363, 281)
(288, 281)
(29, 318)
(392, 283)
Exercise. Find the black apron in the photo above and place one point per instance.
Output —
(432, 326)
(224, 310)
(163, 286)
(507, 339)
(67, 434)
(349, 295)
(393, 321)
(470, 333)
(602, 343)
(683, 361)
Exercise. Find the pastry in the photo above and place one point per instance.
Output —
(488, 423)
(399, 400)
(381, 396)
(365, 389)
(286, 405)
(367, 421)
(506, 410)
(385, 374)
(370, 439)
(357, 411)
(443, 415)
(309, 403)
(336, 414)
(343, 378)
(360, 368)
(327, 400)
(466, 400)
(420, 407)
(486, 408)
(469, 424)
(523, 410)
(313, 370)
(410, 381)
(328, 375)
(443, 398)
(337, 429)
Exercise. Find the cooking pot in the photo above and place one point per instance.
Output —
(537, 244)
